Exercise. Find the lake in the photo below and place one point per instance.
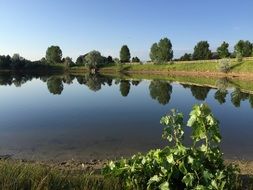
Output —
(62, 117)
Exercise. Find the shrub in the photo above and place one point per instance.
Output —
(239, 57)
(199, 166)
(224, 65)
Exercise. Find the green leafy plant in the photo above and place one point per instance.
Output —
(199, 166)
(224, 65)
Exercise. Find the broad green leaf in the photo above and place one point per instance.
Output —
(203, 148)
(190, 160)
(164, 120)
(153, 179)
(188, 179)
(143, 161)
(223, 183)
(220, 175)
(214, 184)
(201, 187)
(164, 170)
(181, 149)
(182, 168)
(164, 186)
(169, 138)
(207, 176)
(170, 159)
(191, 121)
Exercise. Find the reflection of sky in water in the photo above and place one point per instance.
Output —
(83, 124)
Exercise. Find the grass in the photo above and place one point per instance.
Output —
(16, 175)
(205, 66)
(244, 67)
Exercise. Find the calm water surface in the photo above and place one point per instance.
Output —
(60, 118)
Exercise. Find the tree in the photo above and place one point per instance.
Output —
(202, 51)
(223, 50)
(161, 52)
(43, 60)
(54, 55)
(245, 48)
(124, 87)
(17, 57)
(68, 62)
(125, 54)
(154, 52)
(5, 62)
(186, 57)
(165, 47)
(93, 59)
(80, 60)
(135, 60)
(109, 59)
(18, 62)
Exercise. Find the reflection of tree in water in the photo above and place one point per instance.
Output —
(81, 80)
(221, 93)
(68, 79)
(220, 96)
(124, 87)
(5, 79)
(55, 85)
(17, 79)
(117, 81)
(160, 91)
(94, 81)
(251, 100)
(222, 83)
(237, 96)
(199, 92)
(136, 82)
(109, 82)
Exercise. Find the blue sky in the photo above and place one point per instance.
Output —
(28, 27)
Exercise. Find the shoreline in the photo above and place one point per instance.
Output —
(240, 76)
(15, 174)
(246, 166)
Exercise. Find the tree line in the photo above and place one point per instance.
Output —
(160, 52)
(202, 51)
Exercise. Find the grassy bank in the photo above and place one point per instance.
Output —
(28, 175)
(193, 68)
